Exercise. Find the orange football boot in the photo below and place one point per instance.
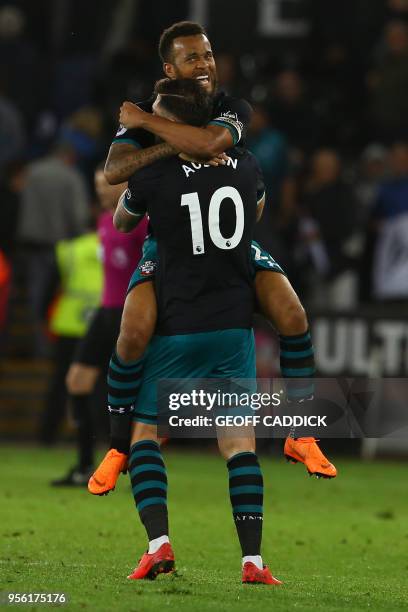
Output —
(252, 575)
(307, 451)
(104, 478)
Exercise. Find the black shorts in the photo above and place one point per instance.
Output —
(95, 348)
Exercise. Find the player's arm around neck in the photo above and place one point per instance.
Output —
(201, 143)
(125, 159)
(123, 219)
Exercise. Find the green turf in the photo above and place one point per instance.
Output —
(337, 545)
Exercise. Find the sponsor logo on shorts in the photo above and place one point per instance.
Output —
(147, 268)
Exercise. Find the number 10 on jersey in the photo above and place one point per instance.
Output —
(222, 242)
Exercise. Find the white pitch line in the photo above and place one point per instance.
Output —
(56, 563)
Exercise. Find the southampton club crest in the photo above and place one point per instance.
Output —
(147, 268)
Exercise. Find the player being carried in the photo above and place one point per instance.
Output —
(186, 53)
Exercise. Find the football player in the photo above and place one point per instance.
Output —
(203, 220)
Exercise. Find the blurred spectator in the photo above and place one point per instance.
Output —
(27, 77)
(54, 207)
(327, 226)
(120, 253)
(84, 131)
(292, 112)
(390, 215)
(5, 277)
(351, 24)
(388, 83)
(12, 137)
(338, 87)
(227, 73)
(12, 22)
(398, 9)
(67, 99)
(129, 75)
(270, 148)
(11, 187)
(80, 284)
(372, 170)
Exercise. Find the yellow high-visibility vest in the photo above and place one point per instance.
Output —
(81, 277)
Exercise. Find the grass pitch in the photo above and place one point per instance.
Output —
(337, 545)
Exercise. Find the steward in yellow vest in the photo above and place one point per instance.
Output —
(81, 279)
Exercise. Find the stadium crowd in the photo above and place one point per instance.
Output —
(328, 83)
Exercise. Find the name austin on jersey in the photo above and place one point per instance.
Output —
(194, 166)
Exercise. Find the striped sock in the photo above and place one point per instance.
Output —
(149, 485)
(297, 362)
(246, 494)
(123, 384)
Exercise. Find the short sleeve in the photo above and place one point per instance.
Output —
(125, 136)
(235, 115)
